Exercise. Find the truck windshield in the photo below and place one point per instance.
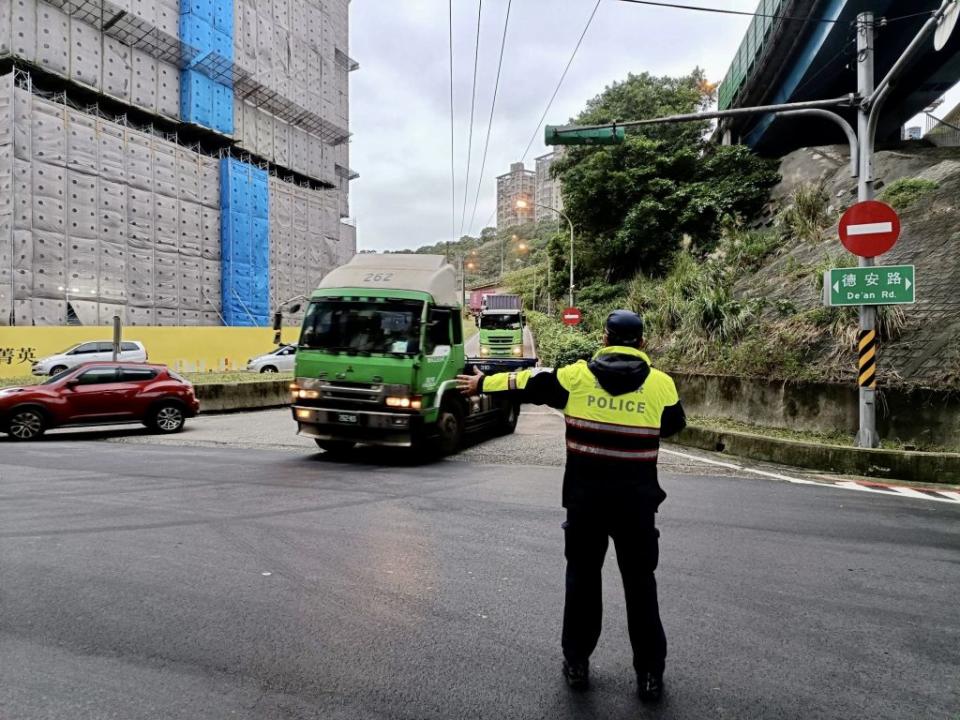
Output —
(500, 322)
(363, 326)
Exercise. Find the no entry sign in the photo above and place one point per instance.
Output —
(869, 229)
(571, 316)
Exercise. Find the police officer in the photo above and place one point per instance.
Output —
(617, 408)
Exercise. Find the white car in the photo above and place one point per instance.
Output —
(279, 360)
(99, 351)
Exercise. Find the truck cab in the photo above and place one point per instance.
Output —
(501, 322)
(379, 351)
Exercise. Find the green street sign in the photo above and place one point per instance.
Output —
(554, 135)
(880, 285)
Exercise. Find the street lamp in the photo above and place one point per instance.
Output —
(521, 204)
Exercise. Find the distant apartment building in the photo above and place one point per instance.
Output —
(547, 193)
(913, 133)
(518, 184)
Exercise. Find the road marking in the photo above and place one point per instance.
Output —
(910, 492)
(729, 466)
(741, 468)
(869, 228)
(889, 490)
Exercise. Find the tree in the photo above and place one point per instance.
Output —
(634, 203)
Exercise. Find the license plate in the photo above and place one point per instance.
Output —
(346, 418)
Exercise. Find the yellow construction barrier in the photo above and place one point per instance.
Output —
(185, 349)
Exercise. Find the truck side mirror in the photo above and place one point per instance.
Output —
(278, 320)
(294, 309)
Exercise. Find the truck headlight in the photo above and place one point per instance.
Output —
(406, 403)
(309, 394)
(484, 350)
(518, 350)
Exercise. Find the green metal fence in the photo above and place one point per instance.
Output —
(753, 43)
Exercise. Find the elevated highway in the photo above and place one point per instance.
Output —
(800, 50)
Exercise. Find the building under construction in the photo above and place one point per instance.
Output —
(176, 163)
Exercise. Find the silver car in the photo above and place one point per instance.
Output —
(99, 351)
(279, 360)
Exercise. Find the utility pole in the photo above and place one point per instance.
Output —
(549, 272)
(867, 437)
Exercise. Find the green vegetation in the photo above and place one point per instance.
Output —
(559, 345)
(903, 193)
(634, 204)
(216, 378)
(806, 217)
(20, 381)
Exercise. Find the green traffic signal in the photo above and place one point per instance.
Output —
(556, 135)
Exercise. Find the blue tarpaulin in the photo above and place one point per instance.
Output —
(207, 26)
(244, 243)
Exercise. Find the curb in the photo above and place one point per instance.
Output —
(229, 397)
(885, 464)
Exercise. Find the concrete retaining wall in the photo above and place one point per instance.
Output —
(886, 464)
(243, 396)
(914, 417)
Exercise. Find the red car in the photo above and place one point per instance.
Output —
(99, 393)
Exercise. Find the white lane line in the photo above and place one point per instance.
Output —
(741, 468)
(910, 492)
(842, 484)
(729, 466)
(869, 228)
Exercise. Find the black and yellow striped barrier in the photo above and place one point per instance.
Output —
(868, 359)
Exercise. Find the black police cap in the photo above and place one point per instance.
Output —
(624, 327)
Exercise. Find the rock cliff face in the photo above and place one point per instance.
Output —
(927, 350)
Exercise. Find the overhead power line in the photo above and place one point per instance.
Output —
(453, 176)
(473, 104)
(493, 106)
(744, 13)
(560, 82)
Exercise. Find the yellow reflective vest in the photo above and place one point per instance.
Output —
(600, 424)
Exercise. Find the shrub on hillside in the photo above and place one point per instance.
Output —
(903, 193)
(559, 345)
(806, 217)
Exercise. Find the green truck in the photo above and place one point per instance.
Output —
(500, 322)
(379, 351)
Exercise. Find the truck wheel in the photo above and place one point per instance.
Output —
(509, 417)
(335, 447)
(449, 428)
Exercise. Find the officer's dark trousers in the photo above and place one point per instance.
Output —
(637, 544)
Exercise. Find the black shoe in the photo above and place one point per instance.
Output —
(577, 675)
(650, 687)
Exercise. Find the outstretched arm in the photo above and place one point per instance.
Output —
(538, 387)
(672, 420)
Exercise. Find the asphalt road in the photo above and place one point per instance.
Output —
(184, 579)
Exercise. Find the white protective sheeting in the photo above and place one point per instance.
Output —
(102, 217)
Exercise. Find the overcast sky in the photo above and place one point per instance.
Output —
(400, 116)
(400, 95)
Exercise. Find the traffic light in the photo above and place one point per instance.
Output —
(556, 135)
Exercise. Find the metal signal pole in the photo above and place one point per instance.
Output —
(867, 436)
